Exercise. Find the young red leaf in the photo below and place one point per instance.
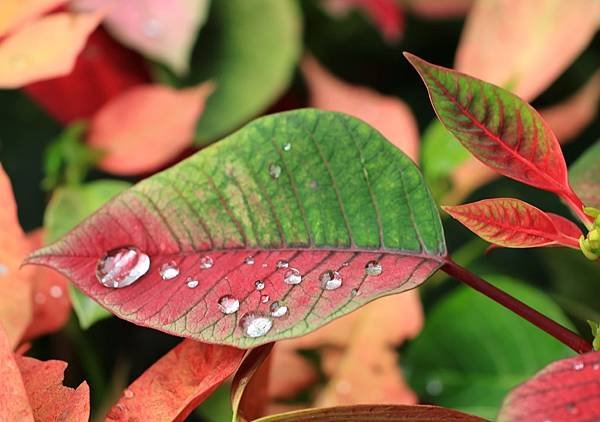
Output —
(566, 390)
(13, 396)
(515, 224)
(295, 220)
(177, 383)
(498, 128)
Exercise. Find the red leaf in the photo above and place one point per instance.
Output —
(50, 400)
(14, 404)
(515, 224)
(566, 390)
(103, 70)
(177, 383)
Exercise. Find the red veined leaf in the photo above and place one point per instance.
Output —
(373, 412)
(13, 396)
(566, 390)
(177, 383)
(49, 399)
(515, 224)
(103, 70)
(294, 220)
(498, 128)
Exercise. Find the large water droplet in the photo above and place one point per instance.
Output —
(292, 276)
(274, 171)
(373, 268)
(249, 260)
(255, 325)
(192, 283)
(330, 280)
(264, 298)
(228, 304)
(122, 267)
(56, 292)
(206, 262)
(282, 263)
(278, 310)
(169, 270)
(259, 285)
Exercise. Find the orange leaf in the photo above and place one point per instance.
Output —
(15, 290)
(15, 12)
(14, 405)
(177, 383)
(44, 49)
(147, 126)
(50, 400)
(387, 114)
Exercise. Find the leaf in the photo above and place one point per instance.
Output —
(525, 45)
(472, 351)
(131, 146)
(16, 12)
(49, 399)
(513, 223)
(299, 372)
(163, 31)
(498, 128)
(44, 49)
(438, 9)
(250, 384)
(13, 396)
(69, 206)
(564, 390)
(177, 383)
(387, 114)
(585, 176)
(103, 70)
(337, 198)
(15, 290)
(373, 412)
(251, 58)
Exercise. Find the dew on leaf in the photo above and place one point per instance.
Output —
(282, 263)
(56, 292)
(255, 325)
(122, 267)
(330, 280)
(287, 147)
(373, 268)
(206, 262)
(128, 394)
(228, 304)
(292, 276)
(274, 171)
(354, 292)
(578, 366)
(249, 260)
(278, 310)
(169, 270)
(192, 283)
(264, 298)
(259, 285)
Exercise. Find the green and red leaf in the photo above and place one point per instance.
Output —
(319, 190)
(513, 223)
(565, 390)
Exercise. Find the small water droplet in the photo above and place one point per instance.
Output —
(354, 292)
(206, 262)
(169, 270)
(373, 268)
(228, 304)
(287, 147)
(192, 283)
(578, 366)
(255, 324)
(572, 409)
(282, 264)
(264, 265)
(278, 310)
(292, 276)
(122, 267)
(3, 269)
(434, 387)
(152, 28)
(259, 285)
(128, 394)
(345, 264)
(274, 171)
(264, 298)
(56, 292)
(330, 280)
(249, 260)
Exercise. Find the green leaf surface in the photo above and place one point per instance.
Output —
(585, 176)
(69, 206)
(473, 351)
(249, 50)
(321, 191)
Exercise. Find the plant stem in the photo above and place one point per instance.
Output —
(562, 334)
(573, 201)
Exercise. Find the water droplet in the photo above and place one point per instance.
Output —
(345, 264)
(330, 280)
(128, 394)
(434, 387)
(274, 171)
(228, 304)
(373, 268)
(192, 283)
(354, 292)
(264, 298)
(169, 270)
(572, 409)
(287, 147)
(122, 267)
(152, 28)
(249, 260)
(3, 269)
(578, 366)
(56, 292)
(278, 310)
(259, 285)
(206, 262)
(255, 324)
(292, 276)
(282, 264)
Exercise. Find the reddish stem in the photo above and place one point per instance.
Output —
(562, 334)
(576, 206)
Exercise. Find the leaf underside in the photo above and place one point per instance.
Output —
(344, 197)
